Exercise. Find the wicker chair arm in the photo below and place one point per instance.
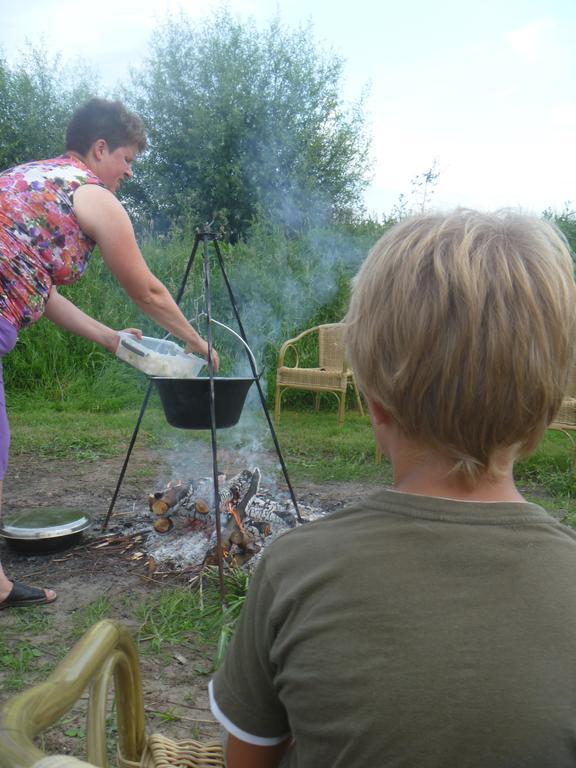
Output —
(283, 352)
(106, 649)
(291, 344)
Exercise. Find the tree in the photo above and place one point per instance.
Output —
(566, 222)
(242, 121)
(37, 98)
(423, 188)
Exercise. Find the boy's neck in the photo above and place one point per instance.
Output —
(421, 470)
(437, 483)
(424, 473)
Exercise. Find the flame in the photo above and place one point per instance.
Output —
(231, 508)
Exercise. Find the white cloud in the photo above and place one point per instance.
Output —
(563, 116)
(114, 26)
(531, 41)
(531, 170)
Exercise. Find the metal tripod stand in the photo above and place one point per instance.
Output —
(205, 236)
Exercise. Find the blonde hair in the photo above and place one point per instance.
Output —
(462, 327)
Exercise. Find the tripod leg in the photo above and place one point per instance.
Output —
(217, 516)
(128, 454)
(257, 380)
(277, 446)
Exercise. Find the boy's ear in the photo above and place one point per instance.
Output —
(382, 425)
(380, 415)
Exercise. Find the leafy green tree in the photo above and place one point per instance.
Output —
(243, 122)
(37, 98)
(566, 221)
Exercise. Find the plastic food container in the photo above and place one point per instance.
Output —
(158, 357)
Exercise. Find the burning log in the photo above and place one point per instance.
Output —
(162, 501)
(238, 543)
(192, 542)
(244, 541)
(201, 506)
(163, 525)
(243, 491)
(195, 499)
(262, 526)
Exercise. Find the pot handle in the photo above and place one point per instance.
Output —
(217, 322)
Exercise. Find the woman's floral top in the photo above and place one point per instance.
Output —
(41, 243)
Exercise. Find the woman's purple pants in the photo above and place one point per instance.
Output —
(8, 337)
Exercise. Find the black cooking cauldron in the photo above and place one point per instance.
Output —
(186, 402)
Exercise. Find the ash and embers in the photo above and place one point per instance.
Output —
(183, 525)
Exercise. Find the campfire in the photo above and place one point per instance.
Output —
(182, 514)
(172, 531)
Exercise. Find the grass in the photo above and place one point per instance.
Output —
(28, 623)
(177, 614)
(90, 614)
(20, 662)
(168, 618)
(551, 467)
(191, 620)
(21, 659)
(315, 449)
(42, 430)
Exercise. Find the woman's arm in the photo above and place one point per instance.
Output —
(102, 217)
(67, 315)
(240, 754)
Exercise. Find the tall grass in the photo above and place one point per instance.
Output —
(280, 286)
(181, 615)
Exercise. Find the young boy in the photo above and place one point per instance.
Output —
(432, 625)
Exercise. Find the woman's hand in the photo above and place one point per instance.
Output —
(201, 347)
(132, 331)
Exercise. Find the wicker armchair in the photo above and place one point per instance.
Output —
(105, 652)
(332, 374)
(565, 419)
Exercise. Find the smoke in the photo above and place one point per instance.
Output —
(281, 286)
(284, 285)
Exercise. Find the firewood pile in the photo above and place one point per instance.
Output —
(182, 514)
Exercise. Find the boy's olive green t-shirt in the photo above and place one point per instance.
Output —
(411, 631)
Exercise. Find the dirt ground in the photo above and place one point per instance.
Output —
(175, 682)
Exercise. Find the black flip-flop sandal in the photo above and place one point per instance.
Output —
(22, 595)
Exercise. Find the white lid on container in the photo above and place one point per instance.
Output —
(158, 357)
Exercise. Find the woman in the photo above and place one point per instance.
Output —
(52, 214)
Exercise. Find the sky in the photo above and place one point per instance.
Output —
(483, 93)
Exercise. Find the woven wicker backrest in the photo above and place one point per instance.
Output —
(331, 346)
(571, 388)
